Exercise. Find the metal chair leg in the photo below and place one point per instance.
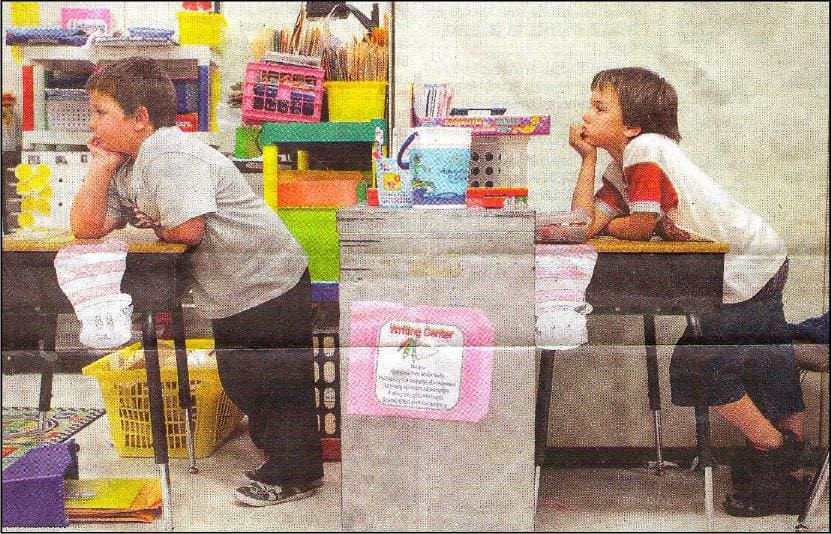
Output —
(817, 489)
(654, 392)
(705, 456)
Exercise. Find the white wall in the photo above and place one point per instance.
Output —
(752, 83)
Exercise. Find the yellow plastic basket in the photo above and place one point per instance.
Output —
(356, 101)
(196, 28)
(128, 408)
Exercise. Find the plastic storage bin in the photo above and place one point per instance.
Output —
(317, 189)
(67, 110)
(316, 231)
(197, 28)
(33, 486)
(356, 101)
(281, 93)
(128, 408)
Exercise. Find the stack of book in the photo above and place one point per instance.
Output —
(431, 103)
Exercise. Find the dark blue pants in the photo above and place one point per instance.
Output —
(265, 360)
(744, 348)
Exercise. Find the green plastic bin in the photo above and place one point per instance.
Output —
(316, 231)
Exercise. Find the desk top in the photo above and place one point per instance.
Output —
(137, 241)
(611, 244)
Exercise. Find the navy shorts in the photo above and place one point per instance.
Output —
(744, 348)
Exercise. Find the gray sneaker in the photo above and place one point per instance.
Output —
(260, 494)
(259, 475)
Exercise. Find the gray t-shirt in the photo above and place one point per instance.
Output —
(247, 255)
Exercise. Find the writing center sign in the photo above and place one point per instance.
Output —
(419, 365)
(422, 362)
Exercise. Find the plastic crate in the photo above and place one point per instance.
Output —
(128, 407)
(498, 161)
(67, 110)
(281, 93)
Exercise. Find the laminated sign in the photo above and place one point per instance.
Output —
(422, 362)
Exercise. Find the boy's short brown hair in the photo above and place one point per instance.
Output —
(647, 101)
(136, 82)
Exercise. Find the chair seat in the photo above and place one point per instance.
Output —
(811, 356)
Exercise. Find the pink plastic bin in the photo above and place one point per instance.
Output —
(281, 93)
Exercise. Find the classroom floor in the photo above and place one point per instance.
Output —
(570, 499)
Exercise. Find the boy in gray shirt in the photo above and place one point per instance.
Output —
(249, 274)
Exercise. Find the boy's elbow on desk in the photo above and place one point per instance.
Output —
(635, 227)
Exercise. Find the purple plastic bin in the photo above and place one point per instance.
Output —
(33, 487)
(324, 292)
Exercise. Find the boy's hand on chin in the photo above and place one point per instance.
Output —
(579, 143)
(104, 157)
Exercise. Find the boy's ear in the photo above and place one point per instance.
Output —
(142, 117)
(630, 131)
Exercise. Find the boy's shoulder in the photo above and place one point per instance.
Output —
(652, 139)
(649, 147)
(169, 141)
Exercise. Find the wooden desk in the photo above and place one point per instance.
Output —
(648, 278)
(154, 278)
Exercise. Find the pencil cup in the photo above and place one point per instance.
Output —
(395, 187)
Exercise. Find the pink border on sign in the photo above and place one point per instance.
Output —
(366, 321)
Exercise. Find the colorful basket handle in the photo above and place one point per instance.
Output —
(401, 163)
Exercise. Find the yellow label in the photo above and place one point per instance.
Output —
(43, 206)
(25, 219)
(43, 171)
(23, 172)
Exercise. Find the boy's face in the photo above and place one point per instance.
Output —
(603, 123)
(112, 129)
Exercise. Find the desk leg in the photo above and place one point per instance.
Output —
(185, 399)
(654, 388)
(157, 417)
(541, 415)
(543, 404)
(48, 356)
(702, 432)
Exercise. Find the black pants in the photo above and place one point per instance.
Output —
(264, 355)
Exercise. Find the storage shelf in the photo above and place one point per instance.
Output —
(321, 132)
(55, 54)
(57, 137)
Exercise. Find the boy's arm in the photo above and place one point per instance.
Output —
(636, 227)
(189, 232)
(88, 217)
(583, 196)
